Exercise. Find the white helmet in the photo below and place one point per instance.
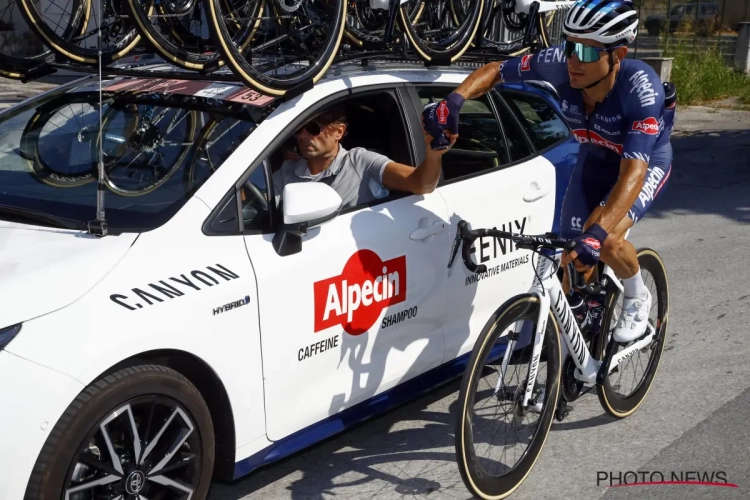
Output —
(610, 22)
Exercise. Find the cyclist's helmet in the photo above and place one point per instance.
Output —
(611, 22)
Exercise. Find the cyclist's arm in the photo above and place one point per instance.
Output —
(643, 127)
(546, 65)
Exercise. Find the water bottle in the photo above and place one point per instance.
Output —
(440, 142)
(596, 310)
(580, 310)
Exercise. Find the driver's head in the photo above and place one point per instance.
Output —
(321, 135)
(589, 61)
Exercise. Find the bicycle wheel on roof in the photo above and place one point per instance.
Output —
(118, 36)
(294, 43)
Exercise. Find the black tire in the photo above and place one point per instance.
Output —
(614, 404)
(260, 79)
(478, 481)
(69, 48)
(461, 39)
(78, 426)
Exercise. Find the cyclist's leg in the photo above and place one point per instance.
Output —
(621, 256)
(588, 186)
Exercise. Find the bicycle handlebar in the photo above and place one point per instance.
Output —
(466, 237)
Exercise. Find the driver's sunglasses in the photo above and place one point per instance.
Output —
(313, 128)
(585, 53)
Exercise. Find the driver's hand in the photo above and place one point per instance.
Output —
(290, 155)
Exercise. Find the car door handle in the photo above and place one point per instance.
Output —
(422, 233)
(535, 192)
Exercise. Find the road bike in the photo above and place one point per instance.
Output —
(530, 326)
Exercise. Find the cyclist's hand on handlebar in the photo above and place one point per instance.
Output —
(585, 250)
(442, 116)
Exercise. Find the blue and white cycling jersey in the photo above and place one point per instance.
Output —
(630, 123)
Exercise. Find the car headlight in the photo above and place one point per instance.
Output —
(7, 334)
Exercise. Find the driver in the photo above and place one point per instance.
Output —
(617, 110)
(358, 175)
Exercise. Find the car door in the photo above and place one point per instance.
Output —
(358, 310)
(491, 179)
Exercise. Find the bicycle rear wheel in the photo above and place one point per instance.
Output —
(614, 396)
(295, 44)
(439, 34)
(511, 328)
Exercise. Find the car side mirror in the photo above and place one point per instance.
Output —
(304, 205)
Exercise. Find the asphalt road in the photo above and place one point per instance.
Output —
(694, 419)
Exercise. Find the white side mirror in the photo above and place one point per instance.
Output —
(312, 202)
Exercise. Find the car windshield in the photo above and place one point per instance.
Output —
(160, 141)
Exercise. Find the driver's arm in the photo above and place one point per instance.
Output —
(422, 179)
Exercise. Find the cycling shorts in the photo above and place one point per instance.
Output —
(590, 186)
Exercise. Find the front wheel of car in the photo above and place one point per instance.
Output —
(142, 432)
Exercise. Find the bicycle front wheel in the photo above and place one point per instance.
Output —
(295, 43)
(625, 388)
(503, 359)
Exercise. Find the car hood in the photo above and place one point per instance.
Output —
(43, 269)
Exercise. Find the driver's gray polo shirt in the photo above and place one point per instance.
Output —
(355, 174)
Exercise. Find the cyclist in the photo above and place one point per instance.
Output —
(616, 108)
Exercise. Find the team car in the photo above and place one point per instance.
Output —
(166, 323)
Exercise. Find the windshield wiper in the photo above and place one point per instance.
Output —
(26, 214)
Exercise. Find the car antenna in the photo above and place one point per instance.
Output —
(98, 227)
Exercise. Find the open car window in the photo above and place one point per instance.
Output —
(159, 141)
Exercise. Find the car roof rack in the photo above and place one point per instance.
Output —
(148, 64)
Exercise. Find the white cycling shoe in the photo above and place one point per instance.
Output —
(633, 319)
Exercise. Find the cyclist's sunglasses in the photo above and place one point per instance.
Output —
(585, 53)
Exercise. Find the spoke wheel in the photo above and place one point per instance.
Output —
(626, 387)
(140, 433)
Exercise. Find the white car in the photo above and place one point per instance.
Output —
(208, 333)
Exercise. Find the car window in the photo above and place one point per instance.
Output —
(480, 145)
(518, 145)
(374, 122)
(544, 125)
(256, 209)
(157, 149)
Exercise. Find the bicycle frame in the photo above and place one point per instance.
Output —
(524, 6)
(551, 296)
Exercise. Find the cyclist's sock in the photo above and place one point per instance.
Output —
(634, 286)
